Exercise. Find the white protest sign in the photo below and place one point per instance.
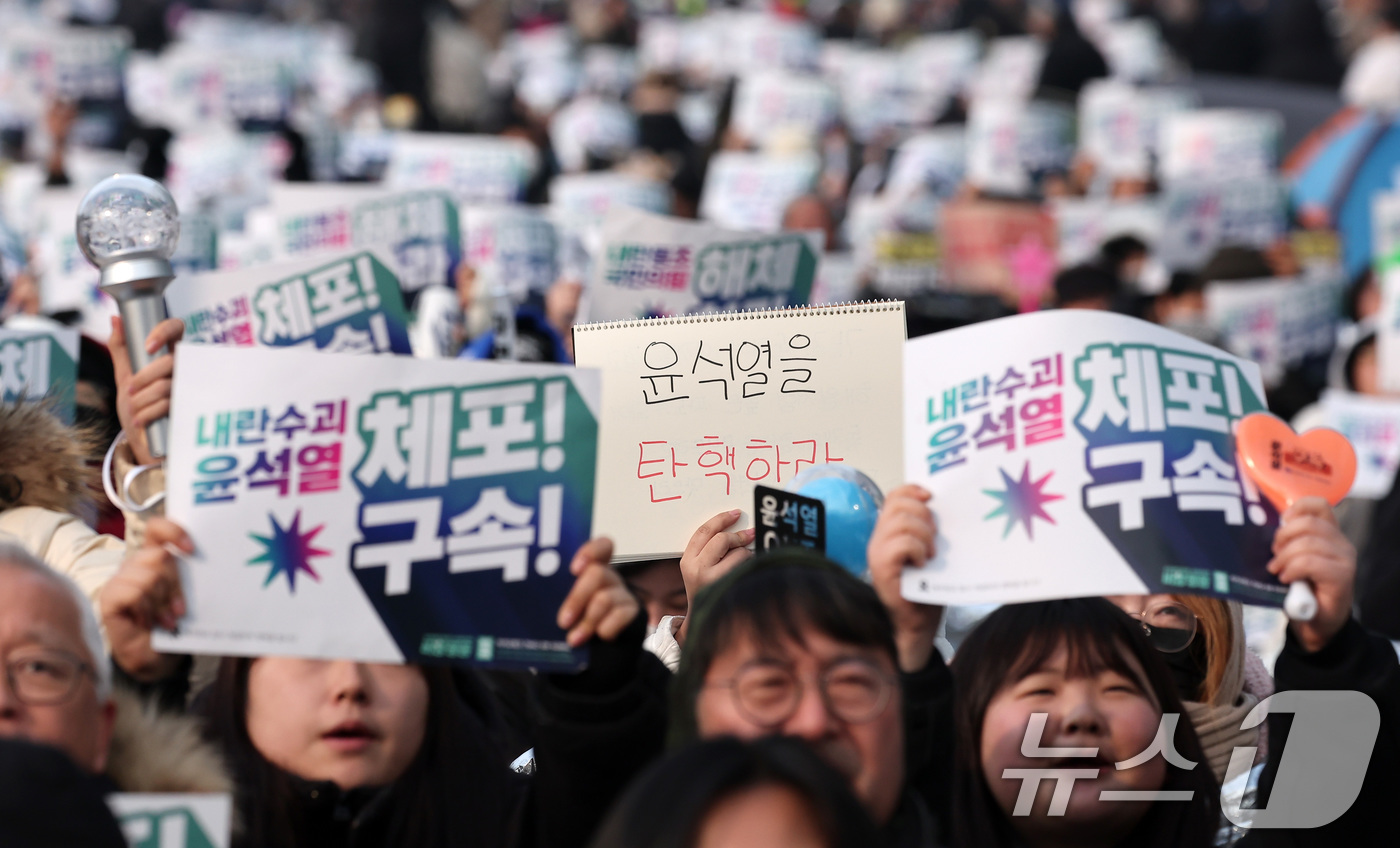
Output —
(67, 281)
(751, 191)
(1012, 144)
(188, 86)
(591, 125)
(1073, 453)
(378, 508)
(700, 409)
(652, 266)
(1214, 144)
(1277, 322)
(1084, 224)
(873, 86)
(591, 196)
(941, 63)
(934, 160)
(1119, 124)
(173, 820)
(1200, 216)
(1009, 70)
(511, 248)
(39, 64)
(417, 231)
(1134, 50)
(472, 168)
(762, 41)
(351, 304)
(1385, 245)
(773, 101)
(1372, 425)
(609, 70)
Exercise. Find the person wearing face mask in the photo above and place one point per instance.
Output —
(791, 644)
(1201, 640)
(340, 753)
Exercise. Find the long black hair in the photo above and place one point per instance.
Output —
(666, 806)
(1011, 644)
(458, 790)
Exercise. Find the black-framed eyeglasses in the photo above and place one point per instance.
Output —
(768, 692)
(1169, 625)
(42, 677)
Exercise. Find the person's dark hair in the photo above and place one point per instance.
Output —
(1366, 343)
(1185, 282)
(774, 598)
(667, 805)
(1119, 249)
(1235, 262)
(1011, 644)
(459, 771)
(1351, 306)
(1083, 282)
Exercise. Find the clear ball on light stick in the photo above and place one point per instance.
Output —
(127, 216)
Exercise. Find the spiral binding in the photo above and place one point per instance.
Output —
(843, 308)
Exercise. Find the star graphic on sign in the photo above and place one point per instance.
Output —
(288, 551)
(1022, 500)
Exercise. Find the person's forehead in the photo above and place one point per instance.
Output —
(815, 647)
(37, 610)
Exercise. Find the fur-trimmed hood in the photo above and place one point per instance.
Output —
(160, 752)
(43, 462)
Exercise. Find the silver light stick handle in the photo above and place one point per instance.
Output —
(140, 315)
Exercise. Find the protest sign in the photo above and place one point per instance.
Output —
(1200, 216)
(1216, 144)
(1075, 452)
(1372, 425)
(933, 161)
(1385, 223)
(381, 508)
(1276, 322)
(349, 305)
(701, 408)
(417, 232)
(591, 196)
(750, 41)
(41, 64)
(751, 191)
(1009, 70)
(174, 820)
(512, 249)
(1084, 224)
(787, 519)
(189, 87)
(1134, 50)
(68, 282)
(591, 127)
(905, 263)
(1001, 248)
(1119, 125)
(36, 364)
(1012, 145)
(652, 266)
(609, 70)
(225, 173)
(472, 168)
(776, 101)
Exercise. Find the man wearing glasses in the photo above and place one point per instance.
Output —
(57, 685)
(791, 644)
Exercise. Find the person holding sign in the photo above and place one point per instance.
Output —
(408, 755)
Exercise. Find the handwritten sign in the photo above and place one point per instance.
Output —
(418, 232)
(350, 305)
(184, 820)
(701, 408)
(652, 266)
(38, 364)
(1372, 425)
(1201, 216)
(751, 191)
(1076, 453)
(383, 508)
(1275, 322)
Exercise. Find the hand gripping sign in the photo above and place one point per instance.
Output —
(383, 509)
